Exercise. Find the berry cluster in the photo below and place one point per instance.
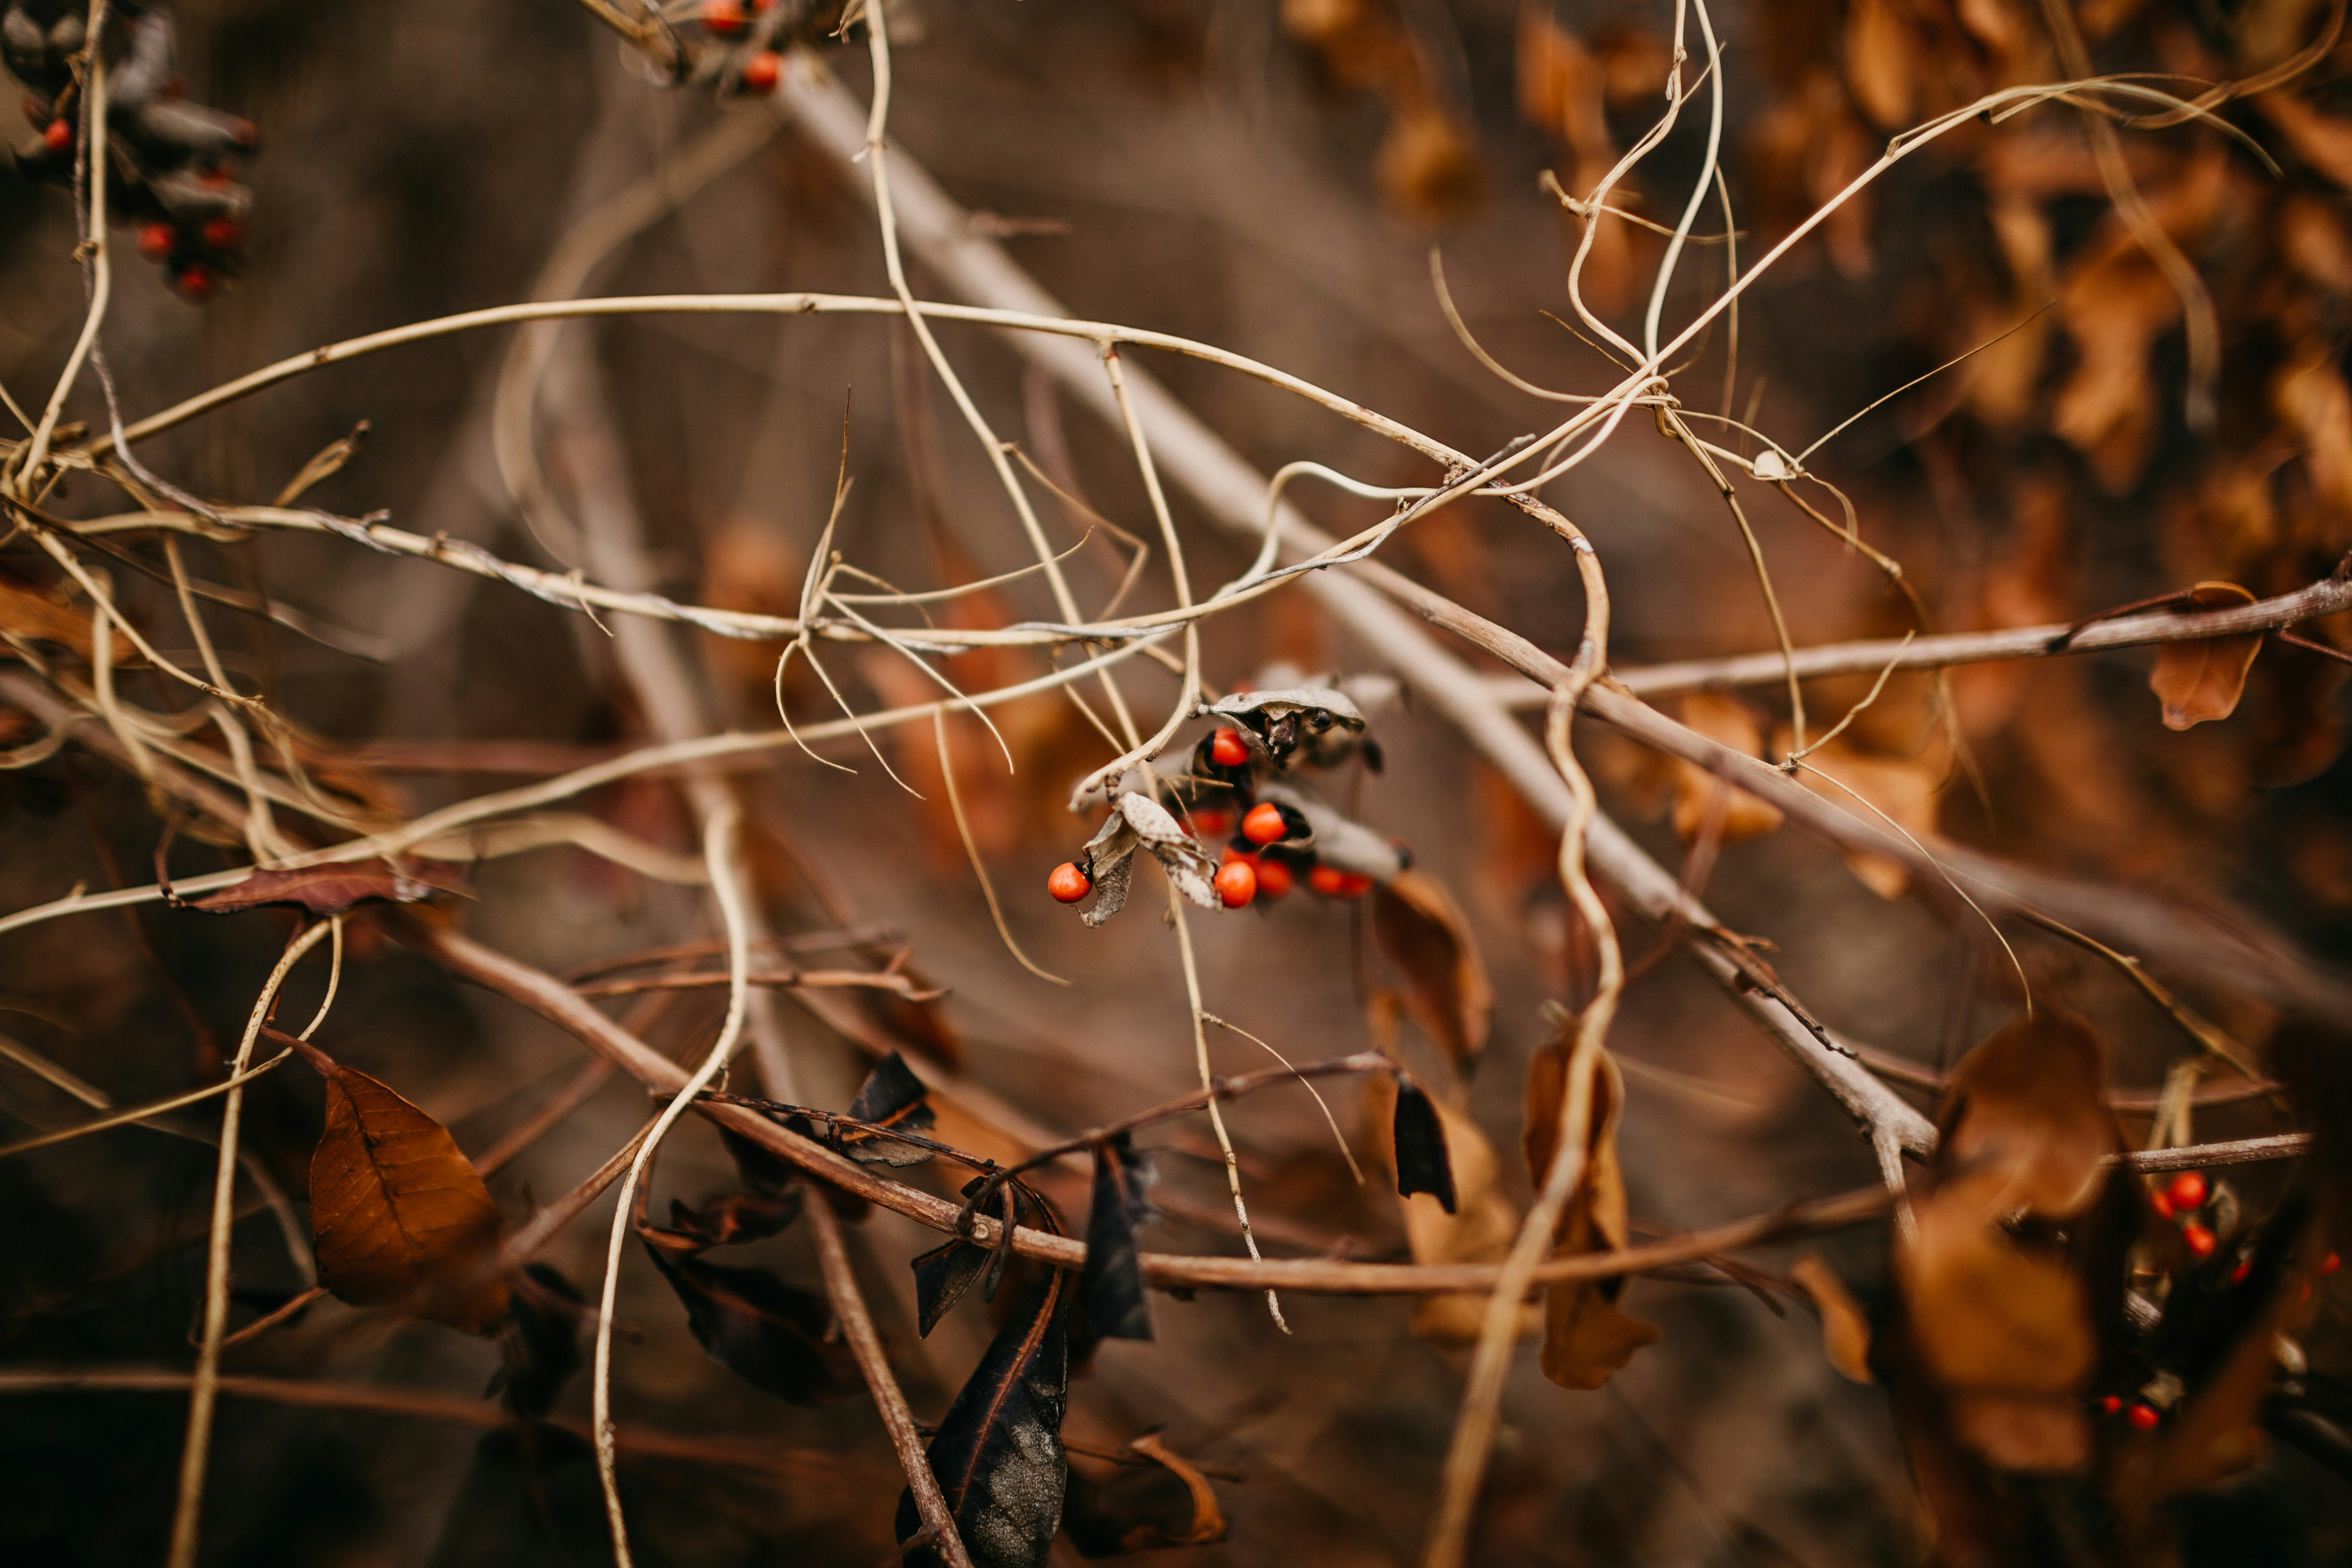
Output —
(1240, 788)
(173, 169)
(748, 38)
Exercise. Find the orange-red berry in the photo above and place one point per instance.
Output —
(156, 239)
(2144, 1417)
(2330, 1264)
(1226, 750)
(1274, 877)
(762, 71)
(1264, 825)
(2112, 1403)
(197, 282)
(1334, 883)
(58, 136)
(1236, 883)
(2238, 1275)
(2160, 1201)
(224, 233)
(2197, 1239)
(1213, 821)
(723, 17)
(2187, 1191)
(1067, 883)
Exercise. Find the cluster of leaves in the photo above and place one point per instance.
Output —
(173, 169)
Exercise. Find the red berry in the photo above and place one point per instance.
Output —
(197, 282)
(2198, 1239)
(1213, 821)
(1334, 883)
(224, 233)
(58, 136)
(2330, 1264)
(2160, 1202)
(1274, 878)
(762, 71)
(2144, 1417)
(724, 16)
(1236, 883)
(1067, 883)
(156, 239)
(2187, 1191)
(1226, 750)
(1264, 825)
(2111, 1404)
(2238, 1275)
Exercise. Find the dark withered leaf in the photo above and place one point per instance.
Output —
(998, 1455)
(530, 1500)
(737, 1217)
(1111, 1284)
(772, 1335)
(1422, 1166)
(331, 889)
(891, 1096)
(942, 1277)
(763, 1173)
(540, 1345)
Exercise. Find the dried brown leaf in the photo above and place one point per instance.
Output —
(330, 889)
(1845, 1332)
(1587, 1336)
(1423, 932)
(1479, 1230)
(1731, 722)
(2201, 680)
(398, 1215)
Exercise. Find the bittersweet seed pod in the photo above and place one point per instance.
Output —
(1236, 883)
(1067, 883)
(1264, 825)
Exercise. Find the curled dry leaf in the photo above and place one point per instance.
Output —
(1417, 1137)
(398, 1215)
(2200, 681)
(332, 887)
(774, 1336)
(998, 1455)
(1845, 1332)
(1422, 930)
(1477, 1228)
(1136, 1510)
(2016, 1259)
(1587, 1336)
